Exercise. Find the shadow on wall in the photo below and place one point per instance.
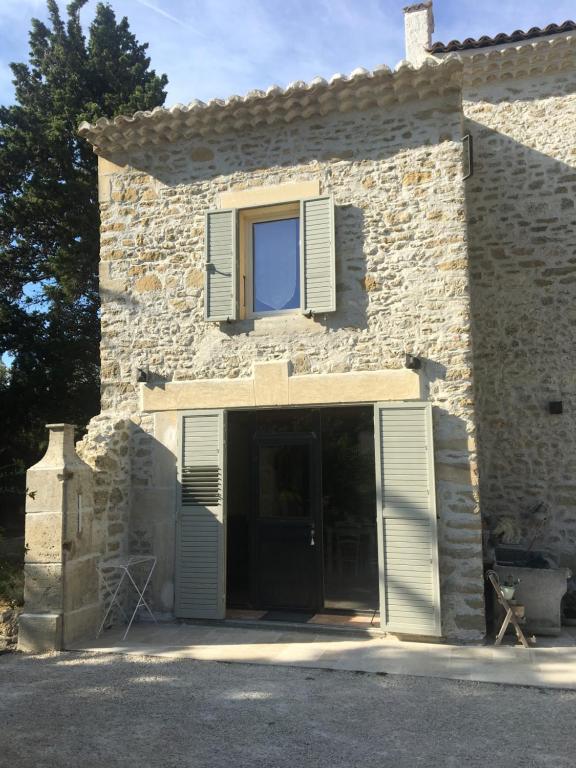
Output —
(522, 244)
(459, 527)
(151, 528)
(333, 138)
(134, 480)
(352, 286)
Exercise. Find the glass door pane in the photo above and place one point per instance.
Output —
(287, 531)
(284, 481)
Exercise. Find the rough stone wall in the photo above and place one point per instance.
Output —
(106, 448)
(522, 235)
(396, 176)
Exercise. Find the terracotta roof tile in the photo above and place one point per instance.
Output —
(418, 7)
(516, 37)
(360, 90)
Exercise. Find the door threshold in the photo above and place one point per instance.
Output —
(358, 623)
(304, 627)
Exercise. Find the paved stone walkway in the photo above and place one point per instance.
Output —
(550, 664)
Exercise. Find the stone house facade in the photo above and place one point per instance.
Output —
(436, 291)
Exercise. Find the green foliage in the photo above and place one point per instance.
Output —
(11, 575)
(11, 582)
(49, 239)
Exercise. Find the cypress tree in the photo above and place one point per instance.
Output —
(49, 239)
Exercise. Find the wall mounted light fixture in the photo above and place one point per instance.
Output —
(412, 362)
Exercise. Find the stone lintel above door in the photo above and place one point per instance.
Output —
(271, 385)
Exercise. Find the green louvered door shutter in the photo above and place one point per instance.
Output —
(200, 553)
(221, 277)
(317, 255)
(407, 533)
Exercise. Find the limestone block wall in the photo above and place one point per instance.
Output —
(64, 542)
(401, 244)
(522, 240)
(82, 545)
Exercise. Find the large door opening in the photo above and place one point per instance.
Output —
(301, 511)
(305, 512)
(287, 547)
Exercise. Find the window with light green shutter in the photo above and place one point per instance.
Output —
(200, 553)
(221, 277)
(242, 280)
(407, 531)
(317, 255)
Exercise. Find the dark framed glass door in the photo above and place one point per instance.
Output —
(287, 533)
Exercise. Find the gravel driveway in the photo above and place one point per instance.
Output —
(86, 710)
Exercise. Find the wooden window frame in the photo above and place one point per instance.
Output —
(248, 217)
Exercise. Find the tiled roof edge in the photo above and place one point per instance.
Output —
(533, 58)
(502, 38)
(361, 89)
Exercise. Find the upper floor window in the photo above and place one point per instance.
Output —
(269, 260)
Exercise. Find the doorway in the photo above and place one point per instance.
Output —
(301, 511)
(287, 565)
(219, 503)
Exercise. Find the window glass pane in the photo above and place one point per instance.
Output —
(276, 265)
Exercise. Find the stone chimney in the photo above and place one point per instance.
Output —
(418, 28)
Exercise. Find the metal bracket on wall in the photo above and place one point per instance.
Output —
(468, 156)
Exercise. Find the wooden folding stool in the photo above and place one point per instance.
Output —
(510, 617)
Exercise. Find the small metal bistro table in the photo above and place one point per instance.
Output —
(128, 566)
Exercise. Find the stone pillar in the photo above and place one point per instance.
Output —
(418, 28)
(52, 523)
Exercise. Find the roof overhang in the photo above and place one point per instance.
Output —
(516, 61)
(502, 39)
(360, 90)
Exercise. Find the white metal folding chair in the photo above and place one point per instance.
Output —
(126, 566)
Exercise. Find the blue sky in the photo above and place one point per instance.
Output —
(214, 48)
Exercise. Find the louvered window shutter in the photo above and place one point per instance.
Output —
(407, 533)
(221, 278)
(200, 555)
(317, 255)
